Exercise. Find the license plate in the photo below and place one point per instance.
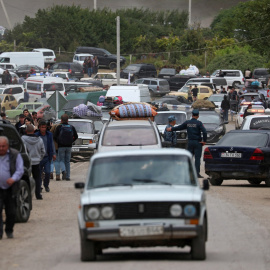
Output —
(166, 77)
(75, 149)
(132, 231)
(48, 58)
(231, 155)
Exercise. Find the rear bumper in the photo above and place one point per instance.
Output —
(81, 150)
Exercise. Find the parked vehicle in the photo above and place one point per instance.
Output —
(256, 122)
(40, 86)
(262, 74)
(66, 76)
(214, 83)
(136, 71)
(14, 89)
(217, 99)
(24, 70)
(75, 69)
(108, 78)
(31, 106)
(23, 58)
(240, 154)
(80, 57)
(167, 73)
(26, 186)
(8, 66)
(177, 81)
(7, 102)
(48, 56)
(72, 87)
(105, 58)
(142, 198)
(157, 87)
(232, 76)
(130, 93)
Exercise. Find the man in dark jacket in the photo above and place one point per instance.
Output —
(65, 135)
(50, 155)
(225, 106)
(11, 168)
(20, 122)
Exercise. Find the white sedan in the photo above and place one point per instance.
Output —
(256, 122)
(66, 76)
(256, 109)
(108, 78)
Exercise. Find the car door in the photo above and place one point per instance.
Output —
(203, 93)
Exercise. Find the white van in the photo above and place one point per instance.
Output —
(217, 81)
(48, 55)
(42, 86)
(130, 93)
(23, 58)
(80, 57)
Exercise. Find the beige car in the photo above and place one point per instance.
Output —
(204, 92)
(7, 102)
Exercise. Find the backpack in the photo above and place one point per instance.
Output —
(65, 137)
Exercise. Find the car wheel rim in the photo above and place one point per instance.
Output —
(24, 202)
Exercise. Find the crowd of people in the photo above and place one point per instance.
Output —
(90, 65)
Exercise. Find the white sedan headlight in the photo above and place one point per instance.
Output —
(93, 213)
(107, 212)
(176, 210)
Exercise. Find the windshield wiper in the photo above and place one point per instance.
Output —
(151, 181)
(112, 185)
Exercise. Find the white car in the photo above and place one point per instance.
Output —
(256, 122)
(162, 121)
(109, 79)
(48, 55)
(142, 198)
(233, 77)
(217, 99)
(66, 76)
(257, 109)
(80, 57)
(14, 89)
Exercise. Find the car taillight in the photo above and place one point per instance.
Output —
(241, 115)
(243, 79)
(70, 71)
(207, 154)
(257, 155)
(157, 88)
(65, 93)
(55, 59)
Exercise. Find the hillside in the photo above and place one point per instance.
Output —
(203, 11)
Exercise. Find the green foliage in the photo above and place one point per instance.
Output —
(237, 60)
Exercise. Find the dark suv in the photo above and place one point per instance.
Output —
(105, 58)
(26, 185)
(75, 69)
(262, 74)
(177, 81)
(136, 71)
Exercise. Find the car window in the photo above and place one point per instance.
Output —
(244, 139)
(29, 106)
(13, 137)
(146, 81)
(36, 106)
(209, 118)
(17, 90)
(164, 83)
(260, 123)
(204, 90)
(48, 54)
(145, 170)
(53, 87)
(11, 98)
(261, 72)
(82, 127)
(162, 118)
(109, 76)
(153, 82)
(128, 136)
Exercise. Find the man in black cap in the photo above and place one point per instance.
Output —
(20, 123)
(195, 143)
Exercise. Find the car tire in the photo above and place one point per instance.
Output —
(20, 101)
(255, 182)
(23, 202)
(17, 118)
(88, 249)
(235, 84)
(198, 244)
(112, 65)
(267, 182)
(215, 181)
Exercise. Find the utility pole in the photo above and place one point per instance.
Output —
(95, 5)
(5, 11)
(189, 13)
(118, 49)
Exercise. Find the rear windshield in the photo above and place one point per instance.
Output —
(54, 86)
(260, 123)
(48, 54)
(244, 139)
(220, 82)
(162, 118)
(163, 83)
(132, 69)
(261, 72)
(169, 71)
(129, 136)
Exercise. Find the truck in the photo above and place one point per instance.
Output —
(23, 58)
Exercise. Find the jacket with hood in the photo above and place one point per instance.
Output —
(35, 147)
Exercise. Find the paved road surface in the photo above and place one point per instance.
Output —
(239, 233)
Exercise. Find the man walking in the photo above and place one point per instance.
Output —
(11, 171)
(25, 96)
(194, 129)
(45, 163)
(170, 136)
(194, 91)
(65, 135)
(20, 122)
(36, 150)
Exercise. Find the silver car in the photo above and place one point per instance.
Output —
(142, 198)
(157, 87)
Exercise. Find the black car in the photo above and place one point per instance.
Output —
(262, 74)
(167, 73)
(26, 185)
(75, 69)
(214, 125)
(240, 154)
(24, 70)
(177, 81)
(136, 71)
(105, 58)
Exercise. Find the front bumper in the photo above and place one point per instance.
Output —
(169, 233)
(81, 150)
